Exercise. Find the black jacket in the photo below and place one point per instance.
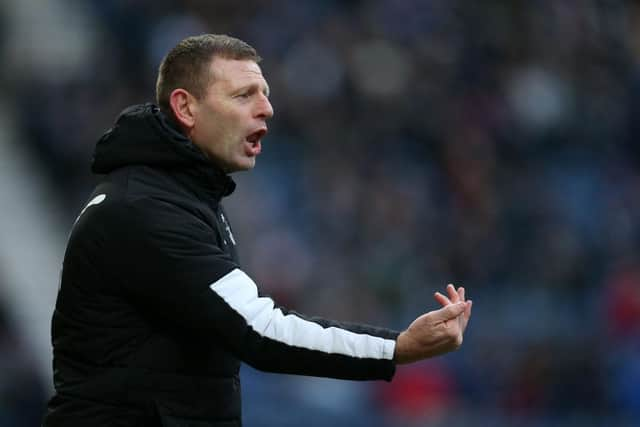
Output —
(154, 313)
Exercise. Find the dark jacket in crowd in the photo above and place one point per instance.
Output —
(154, 312)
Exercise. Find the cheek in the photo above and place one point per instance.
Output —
(234, 132)
(223, 130)
(218, 131)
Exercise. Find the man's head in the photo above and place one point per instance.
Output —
(213, 87)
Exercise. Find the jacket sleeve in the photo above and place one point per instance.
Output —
(179, 271)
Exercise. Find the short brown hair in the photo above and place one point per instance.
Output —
(186, 66)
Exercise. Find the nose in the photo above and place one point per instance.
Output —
(264, 110)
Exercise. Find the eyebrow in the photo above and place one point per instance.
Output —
(266, 90)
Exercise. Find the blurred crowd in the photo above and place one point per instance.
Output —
(415, 143)
(22, 392)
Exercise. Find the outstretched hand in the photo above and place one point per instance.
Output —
(436, 332)
(456, 296)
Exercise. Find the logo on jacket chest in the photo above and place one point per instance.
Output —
(227, 228)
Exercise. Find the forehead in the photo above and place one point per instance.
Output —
(235, 73)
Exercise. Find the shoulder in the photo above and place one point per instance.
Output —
(135, 200)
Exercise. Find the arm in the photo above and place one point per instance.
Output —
(180, 275)
(278, 340)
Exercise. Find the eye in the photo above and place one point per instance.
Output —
(244, 95)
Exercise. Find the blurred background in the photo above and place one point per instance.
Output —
(415, 143)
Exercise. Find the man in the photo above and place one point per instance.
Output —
(154, 313)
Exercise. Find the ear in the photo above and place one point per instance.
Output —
(184, 107)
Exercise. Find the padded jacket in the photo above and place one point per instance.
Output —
(154, 313)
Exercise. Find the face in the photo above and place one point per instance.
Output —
(231, 119)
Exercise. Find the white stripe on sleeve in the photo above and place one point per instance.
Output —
(241, 293)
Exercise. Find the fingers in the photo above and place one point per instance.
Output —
(451, 311)
(461, 293)
(441, 299)
(466, 315)
(467, 311)
(453, 295)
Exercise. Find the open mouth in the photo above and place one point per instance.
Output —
(253, 146)
(256, 136)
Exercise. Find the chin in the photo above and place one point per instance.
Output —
(245, 165)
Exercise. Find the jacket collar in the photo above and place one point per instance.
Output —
(144, 135)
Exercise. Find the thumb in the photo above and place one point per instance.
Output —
(451, 311)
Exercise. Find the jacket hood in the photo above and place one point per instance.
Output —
(143, 135)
